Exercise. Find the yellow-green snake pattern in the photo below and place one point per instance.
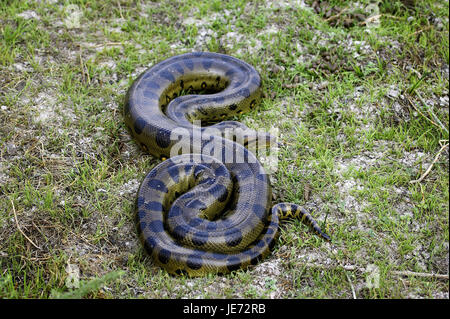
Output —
(198, 214)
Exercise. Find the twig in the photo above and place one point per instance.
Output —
(430, 110)
(420, 274)
(370, 19)
(429, 167)
(120, 10)
(395, 272)
(18, 227)
(421, 30)
(107, 44)
(351, 285)
(83, 74)
(423, 115)
(291, 86)
(392, 17)
(336, 15)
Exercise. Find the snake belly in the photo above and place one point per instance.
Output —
(207, 207)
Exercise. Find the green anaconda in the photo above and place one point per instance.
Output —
(208, 206)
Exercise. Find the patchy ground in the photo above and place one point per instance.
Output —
(358, 92)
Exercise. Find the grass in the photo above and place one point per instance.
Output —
(361, 106)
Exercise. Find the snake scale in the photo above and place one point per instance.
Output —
(207, 207)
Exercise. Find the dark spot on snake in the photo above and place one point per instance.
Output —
(194, 262)
(181, 84)
(168, 99)
(233, 107)
(154, 206)
(219, 99)
(220, 192)
(142, 226)
(252, 104)
(163, 138)
(156, 226)
(230, 72)
(207, 63)
(233, 263)
(221, 171)
(187, 168)
(189, 64)
(210, 226)
(181, 272)
(164, 256)
(262, 177)
(194, 222)
(151, 95)
(196, 204)
(152, 85)
(260, 244)
(179, 233)
(200, 238)
(259, 211)
(139, 125)
(233, 237)
(174, 211)
(244, 92)
(203, 85)
(174, 174)
(140, 201)
(179, 68)
(149, 245)
(158, 185)
(167, 75)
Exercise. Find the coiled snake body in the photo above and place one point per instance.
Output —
(207, 207)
